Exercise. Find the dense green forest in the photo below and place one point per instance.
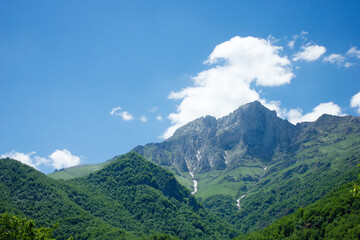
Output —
(131, 198)
(336, 216)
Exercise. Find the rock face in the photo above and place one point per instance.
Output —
(250, 134)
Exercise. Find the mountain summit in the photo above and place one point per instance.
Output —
(251, 133)
(252, 166)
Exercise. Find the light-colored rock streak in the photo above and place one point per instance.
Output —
(225, 157)
(195, 183)
(192, 175)
(238, 201)
(265, 168)
(198, 156)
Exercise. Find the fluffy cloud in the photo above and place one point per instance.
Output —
(353, 52)
(355, 102)
(123, 114)
(334, 58)
(143, 118)
(58, 159)
(63, 159)
(219, 90)
(27, 158)
(310, 53)
(337, 59)
(295, 115)
(159, 118)
(291, 44)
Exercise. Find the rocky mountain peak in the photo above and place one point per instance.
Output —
(250, 132)
(197, 126)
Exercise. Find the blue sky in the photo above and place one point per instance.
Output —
(82, 81)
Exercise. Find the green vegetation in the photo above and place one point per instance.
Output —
(28, 193)
(336, 216)
(12, 228)
(157, 202)
(324, 157)
(77, 171)
(231, 182)
(131, 198)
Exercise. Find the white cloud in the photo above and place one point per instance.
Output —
(353, 52)
(224, 87)
(347, 64)
(63, 159)
(58, 159)
(114, 110)
(153, 109)
(143, 118)
(338, 59)
(310, 53)
(26, 158)
(159, 118)
(123, 114)
(126, 116)
(274, 105)
(295, 115)
(334, 58)
(291, 44)
(302, 36)
(355, 102)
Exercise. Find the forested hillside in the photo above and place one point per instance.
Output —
(336, 216)
(130, 198)
(28, 193)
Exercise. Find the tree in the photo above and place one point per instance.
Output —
(356, 189)
(12, 227)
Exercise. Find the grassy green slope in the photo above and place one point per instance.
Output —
(77, 171)
(336, 216)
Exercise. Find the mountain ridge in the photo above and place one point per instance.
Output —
(259, 166)
(131, 198)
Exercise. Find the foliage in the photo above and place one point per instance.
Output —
(12, 227)
(336, 216)
(155, 200)
(131, 198)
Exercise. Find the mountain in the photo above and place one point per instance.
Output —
(130, 198)
(259, 166)
(252, 133)
(251, 167)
